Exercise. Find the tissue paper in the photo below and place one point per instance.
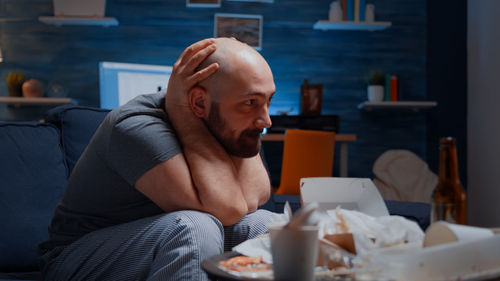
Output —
(371, 232)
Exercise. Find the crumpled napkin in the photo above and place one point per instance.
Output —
(260, 246)
(370, 232)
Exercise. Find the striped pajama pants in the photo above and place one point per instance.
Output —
(165, 247)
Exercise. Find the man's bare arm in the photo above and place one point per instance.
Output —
(169, 185)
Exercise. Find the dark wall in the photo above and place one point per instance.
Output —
(447, 79)
(156, 32)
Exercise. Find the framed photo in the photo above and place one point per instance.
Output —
(203, 3)
(246, 28)
(259, 1)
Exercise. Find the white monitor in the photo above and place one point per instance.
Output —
(121, 82)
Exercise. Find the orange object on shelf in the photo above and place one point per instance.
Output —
(310, 98)
(394, 88)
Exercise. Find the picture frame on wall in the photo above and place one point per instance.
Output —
(203, 3)
(258, 1)
(244, 27)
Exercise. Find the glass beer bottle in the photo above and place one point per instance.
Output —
(449, 201)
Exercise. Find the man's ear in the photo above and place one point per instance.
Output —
(198, 101)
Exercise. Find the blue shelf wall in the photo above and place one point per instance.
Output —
(156, 32)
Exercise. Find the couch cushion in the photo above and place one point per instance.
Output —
(77, 125)
(416, 211)
(33, 177)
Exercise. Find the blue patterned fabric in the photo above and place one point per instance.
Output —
(33, 177)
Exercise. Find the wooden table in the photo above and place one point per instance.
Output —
(342, 139)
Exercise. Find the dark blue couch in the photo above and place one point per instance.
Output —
(35, 162)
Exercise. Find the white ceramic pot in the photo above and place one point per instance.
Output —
(375, 93)
(335, 13)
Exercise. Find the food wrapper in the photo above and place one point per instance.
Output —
(370, 232)
(366, 232)
(387, 248)
(359, 238)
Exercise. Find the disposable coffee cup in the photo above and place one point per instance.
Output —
(443, 232)
(295, 252)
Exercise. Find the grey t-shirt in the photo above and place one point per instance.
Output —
(131, 140)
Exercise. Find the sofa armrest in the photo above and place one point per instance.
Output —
(34, 177)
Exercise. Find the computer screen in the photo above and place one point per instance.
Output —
(121, 82)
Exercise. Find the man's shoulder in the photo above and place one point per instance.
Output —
(148, 105)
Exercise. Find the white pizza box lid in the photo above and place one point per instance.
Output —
(462, 260)
(358, 194)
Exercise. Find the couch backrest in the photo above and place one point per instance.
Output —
(35, 162)
(77, 125)
(33, 176)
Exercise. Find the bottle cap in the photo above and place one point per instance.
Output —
(448, 140)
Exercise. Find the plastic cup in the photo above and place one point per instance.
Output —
(295, 252)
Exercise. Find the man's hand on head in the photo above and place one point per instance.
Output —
(203, 174)
(184, 75)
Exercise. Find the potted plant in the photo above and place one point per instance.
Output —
(376, 82)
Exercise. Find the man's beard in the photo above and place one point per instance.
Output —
(248, 143)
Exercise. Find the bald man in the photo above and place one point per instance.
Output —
(168, 181)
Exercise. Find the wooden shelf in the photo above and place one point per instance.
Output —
(281, 137)
(13, 19)
(106, 21)
(351, 25)
(402, 105)
(21, 101)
